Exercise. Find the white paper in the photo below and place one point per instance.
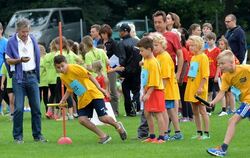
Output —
(114, 61)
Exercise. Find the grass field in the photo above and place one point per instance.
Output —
(85, 143)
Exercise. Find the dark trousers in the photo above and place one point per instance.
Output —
(186, 106)
(130, 84)
(44, 95)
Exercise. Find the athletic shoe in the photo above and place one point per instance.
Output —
(18, 141)
(41, 139)
(49, 115)
(70, 117)
(204, 137)
(217, 151)
(167, 137)
(222, 113)
(122, 131)
(184, 119)
(105, 140)
(197, 136)
(149, 140)
(177, 136)
(158, 141)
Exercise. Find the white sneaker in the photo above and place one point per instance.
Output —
(223, 113)
(70, 117)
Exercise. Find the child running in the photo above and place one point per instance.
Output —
(237, 76)
(197, 84)
(90, 96)
(153, 95)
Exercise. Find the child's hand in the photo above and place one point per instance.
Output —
(62, 102)
(216, 79)
(212, 104)
(199, 91)
(141, 63)
(145, 97)
(119, 68)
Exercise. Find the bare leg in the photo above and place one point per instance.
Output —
(174, 118)
(161, 122)
(166, 119)
(150, 121)
(231, 128)
(203, 112)
(197, 117)
(83, 120)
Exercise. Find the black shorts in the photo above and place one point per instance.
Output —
(97, 104)
(9, 90)
(213, 85)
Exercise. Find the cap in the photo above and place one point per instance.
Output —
(125, 27)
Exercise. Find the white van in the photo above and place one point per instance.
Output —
(44, 23)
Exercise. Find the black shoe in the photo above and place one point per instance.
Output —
(40, 139)
(18, 141)
(131, 115)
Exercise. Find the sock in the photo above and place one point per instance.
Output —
(224, 147)
(224, 109)
(207, 133)
(161, 137)
(200, 133)
(176, 132)
(152, 136)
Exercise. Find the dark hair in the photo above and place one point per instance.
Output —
(176, 19)
(193, 27)
(184, 36)
(59, 59)
(105, 28)
(209, 25)
(146, 42)
(160, 13)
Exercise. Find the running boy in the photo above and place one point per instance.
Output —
(153, 95)
(237, 76)
(90, 96)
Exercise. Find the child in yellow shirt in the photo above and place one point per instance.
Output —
(90, 96)
(153, 95)
(237, 76)
(197, 84)
(171, 89)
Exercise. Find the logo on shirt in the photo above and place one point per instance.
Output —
(244, 79)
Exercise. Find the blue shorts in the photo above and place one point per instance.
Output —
(169, 104)
(243, 110)
(97, 104)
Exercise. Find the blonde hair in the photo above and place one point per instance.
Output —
(42, 49)
(159, 38)
(97, 66)
(198, 41)
(88, 41)
(226, 55)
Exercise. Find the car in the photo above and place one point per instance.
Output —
(141, 27)
(44, 23)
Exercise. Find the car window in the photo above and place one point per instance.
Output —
(55, 18)
(70, 16)
(36, 18)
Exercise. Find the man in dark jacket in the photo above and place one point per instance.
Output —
(129, 57)
(236, 37)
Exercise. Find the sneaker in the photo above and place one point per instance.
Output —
(158, 141)
(122, 131)
(18, 141)
(49, 115)
(70, 117)
(75, 115)
(184, 119)
(204, 137)
(41, 139)
(105, 140)
(167, 137)
(197, 136)
(177, 136)
(209, 113)
(222, 113)
(61, 118)
(217, 151)
(142, 137)
(149, 140)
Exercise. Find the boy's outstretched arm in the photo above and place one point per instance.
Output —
(65, 97)
(218, 97)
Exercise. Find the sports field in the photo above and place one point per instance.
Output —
(85, 143)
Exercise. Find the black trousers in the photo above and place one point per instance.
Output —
(131, 84)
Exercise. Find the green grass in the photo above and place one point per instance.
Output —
(85, 143)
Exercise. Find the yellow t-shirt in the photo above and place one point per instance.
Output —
(153, 71)
(240, 79)
(80, 77)
(171, 89)
(193, 83)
